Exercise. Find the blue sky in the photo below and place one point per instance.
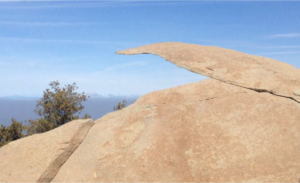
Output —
(76, 41)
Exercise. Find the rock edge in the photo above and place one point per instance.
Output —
(252, 72)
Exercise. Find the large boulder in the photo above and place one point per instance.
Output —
(243, 125)
(208, 131)
(37, 158)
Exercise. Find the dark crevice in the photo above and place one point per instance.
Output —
(209, 68)
(259, 90)
(212, 98)
(266, 91)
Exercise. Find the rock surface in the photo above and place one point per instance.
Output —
(249, 71)
(208, 131)
(241, 126)
(37, 158)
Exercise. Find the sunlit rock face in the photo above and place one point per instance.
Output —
(38, 158)
(224, 129)
(249, 71)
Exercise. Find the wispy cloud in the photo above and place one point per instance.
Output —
(66, 41)
(282, 47)
(22, 64)
(2, 63)
(113, 3)
(289, 35)
(131, 64)
(279, 53)
(181, 3)
(70, 4)
(50, 23)
(21, 0)
(15, 1)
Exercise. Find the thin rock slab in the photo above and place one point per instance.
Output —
(249, 71)
(207, 131)
(37, 158)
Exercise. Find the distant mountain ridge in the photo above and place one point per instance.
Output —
(22, 108)
(18, 97)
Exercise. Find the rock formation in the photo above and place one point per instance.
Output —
(248, 71)
(243, 125)
(38, 158)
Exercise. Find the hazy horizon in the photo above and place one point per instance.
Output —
(22, 110)
(75, 41)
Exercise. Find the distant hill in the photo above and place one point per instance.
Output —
(22, 108)
(18, 97)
